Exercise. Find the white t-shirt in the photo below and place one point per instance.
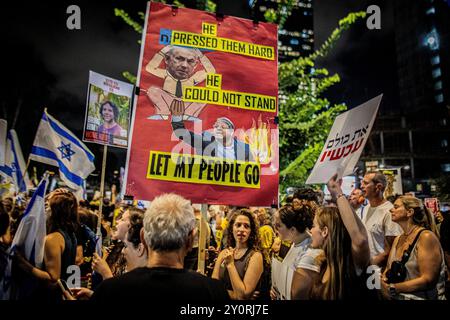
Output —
(298, 256)
(308, 260)
(379, 225)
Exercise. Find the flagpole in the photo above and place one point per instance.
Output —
(25, 172)
(202, 241)
(102, 189)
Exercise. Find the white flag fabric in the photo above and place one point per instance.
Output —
(29, 238)
(15, 167)
(56, 145)
(30, 235)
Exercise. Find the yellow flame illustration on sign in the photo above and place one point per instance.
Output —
(258, 139)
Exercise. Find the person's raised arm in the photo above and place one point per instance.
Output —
(200, 76)
(209, 68)
(153, 65)
(354, 225)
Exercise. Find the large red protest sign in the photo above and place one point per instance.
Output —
(204, 123)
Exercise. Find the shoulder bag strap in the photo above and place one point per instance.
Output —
(407, 253)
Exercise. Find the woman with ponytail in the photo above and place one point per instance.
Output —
(418, 252)
(292, 223)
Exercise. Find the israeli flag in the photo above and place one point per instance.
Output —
(14, 168)
(30, 236)
(57, 146)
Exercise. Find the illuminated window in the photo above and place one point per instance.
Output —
(436, 73)
(438, 85)
(431, 40)
(439, 98)
(435, 60)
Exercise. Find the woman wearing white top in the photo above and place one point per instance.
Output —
(292, 224)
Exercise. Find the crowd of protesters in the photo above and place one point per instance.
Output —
(359, 247)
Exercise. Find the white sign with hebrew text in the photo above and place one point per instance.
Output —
(345, 142)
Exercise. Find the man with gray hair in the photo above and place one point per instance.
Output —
(376, 217)
(169, 231)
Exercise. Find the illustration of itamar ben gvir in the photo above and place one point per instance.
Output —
(220, 142)
(178, 73)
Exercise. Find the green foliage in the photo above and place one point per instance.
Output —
(280, 14)
(305, 116)
(442, 187)
(344, 24)
(210, 6)
(131, 78)
(128, 20)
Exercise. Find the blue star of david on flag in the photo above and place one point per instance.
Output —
(66, 151)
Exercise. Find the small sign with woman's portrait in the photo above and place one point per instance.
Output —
(107, 118)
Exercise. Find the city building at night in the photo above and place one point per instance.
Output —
(295, 39)
(415, 133)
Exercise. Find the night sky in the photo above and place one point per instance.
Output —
(47, 65)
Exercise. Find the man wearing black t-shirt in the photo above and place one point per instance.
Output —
(169, 232)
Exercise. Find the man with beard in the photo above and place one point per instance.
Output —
(221, 143)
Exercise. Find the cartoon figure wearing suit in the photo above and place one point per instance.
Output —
(220, 143)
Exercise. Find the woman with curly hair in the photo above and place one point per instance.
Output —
(240, 266)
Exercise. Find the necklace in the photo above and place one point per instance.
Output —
(406, 234)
